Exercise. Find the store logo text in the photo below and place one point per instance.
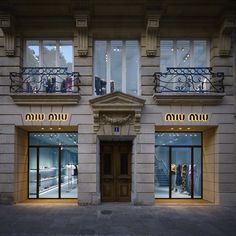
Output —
(190, 117)
(49, 117)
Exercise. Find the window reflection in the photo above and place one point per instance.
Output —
(116, 66)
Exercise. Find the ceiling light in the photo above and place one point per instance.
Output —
(180, 128)
(188, 128)
(59, 128)
(42, 128)
(50, 128)
(171, 128)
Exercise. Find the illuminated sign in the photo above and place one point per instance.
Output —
(50, 117)
(202, 117)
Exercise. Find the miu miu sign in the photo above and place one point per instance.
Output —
(50, 117)
(202, 117)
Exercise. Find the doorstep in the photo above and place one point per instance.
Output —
(50, 201)
(185, 202)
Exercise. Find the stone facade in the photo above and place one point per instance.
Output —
(120, 20)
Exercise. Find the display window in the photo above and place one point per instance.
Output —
(178, 165)
(53, 165)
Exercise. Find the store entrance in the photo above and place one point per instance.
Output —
(115, 171)
(178, 165)
(53, 165)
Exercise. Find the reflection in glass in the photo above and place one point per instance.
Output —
(162, 172)
(167, 54)
(32, 53)
(116, 66)
(197, 173)
(48, 172)
(181, 172)
(69, 172)
(49, 53)
(32, 172)
(100, 67)
(66, 54)
(178, 139)
(132, 63)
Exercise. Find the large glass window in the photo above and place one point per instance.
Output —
(183, 53)
(49, 53)
(116, 66)
(53, 165)
(178, 165)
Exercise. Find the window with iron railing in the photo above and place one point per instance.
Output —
(48, 66)
(184, 54)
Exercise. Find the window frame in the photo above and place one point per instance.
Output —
(40, 40)
(123, 66)
(191, 40)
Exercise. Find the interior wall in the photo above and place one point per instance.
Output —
(21, 165)
(209, 168)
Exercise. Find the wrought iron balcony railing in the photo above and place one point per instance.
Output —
(44, 80)
(189, 79)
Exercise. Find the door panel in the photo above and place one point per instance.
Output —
(181, 177)
(116, 171)
(48, 172)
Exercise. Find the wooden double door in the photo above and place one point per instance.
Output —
(115, 171)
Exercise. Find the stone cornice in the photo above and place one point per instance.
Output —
(8, 28)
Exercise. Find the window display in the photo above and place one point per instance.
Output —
(178, 170)
(53, 165)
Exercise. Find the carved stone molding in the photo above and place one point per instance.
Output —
(117, 111)
(7, 26)
(82, 26)
(151, 34)
(227, 27)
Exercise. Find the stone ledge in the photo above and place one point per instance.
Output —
(188, 98)
(45, 98)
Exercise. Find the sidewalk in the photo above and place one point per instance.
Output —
(116, 219)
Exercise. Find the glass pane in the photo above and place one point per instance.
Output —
(53, 139)
(107, 164)
(182, 139)
(162, 172)
(183, 53)
(167, 54)
(124, 164)
(200, 53)
(48, 172)
(181, 172)
(66, 54)
(100, 67)
(197, 173)
(69, 172)
(49, 53)
(32, 172)
(132, 65)
(32, 53)
(116, 66)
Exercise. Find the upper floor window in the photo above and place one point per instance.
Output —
(49, 53)
(116, 66)
(183, 53)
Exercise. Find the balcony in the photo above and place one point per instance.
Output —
(188, 85)
(45, 85)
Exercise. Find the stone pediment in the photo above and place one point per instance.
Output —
(116, 113)
(117, 100)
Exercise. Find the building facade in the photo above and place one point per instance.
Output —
(118, 101)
